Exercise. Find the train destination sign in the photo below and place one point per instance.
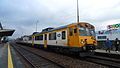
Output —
(114, 26)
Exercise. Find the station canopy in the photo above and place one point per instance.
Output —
(6, 32)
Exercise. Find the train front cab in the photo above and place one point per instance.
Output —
(79, 38)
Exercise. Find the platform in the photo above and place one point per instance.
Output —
(9, 58)
(104, 51)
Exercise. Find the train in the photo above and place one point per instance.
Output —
(76, 37)
(102, 36)
(111, 34)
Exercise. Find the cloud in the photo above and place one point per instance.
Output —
(22, 15)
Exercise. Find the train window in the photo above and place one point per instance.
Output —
(30, 38)
(36, 37)
(88, 32)
(101, 37)
(83, 31)
(75, 30)
(92, 32)
(41, 37)
(52, 36)
(63, 35)
(71, 32)
(49, 36)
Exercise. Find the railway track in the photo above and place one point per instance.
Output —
(62, 60)
(110, 55)
(35, 60)
(110, 62)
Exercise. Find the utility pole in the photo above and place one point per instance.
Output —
(1, 26)
(36, 25)
(77, 11)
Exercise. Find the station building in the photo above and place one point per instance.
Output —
(112, 32)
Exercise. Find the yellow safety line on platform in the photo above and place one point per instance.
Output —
(10, 63)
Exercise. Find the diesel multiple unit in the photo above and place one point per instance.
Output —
(75, 37)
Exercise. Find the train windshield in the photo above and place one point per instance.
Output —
(86, 32)
(83, 31)
(92, 32)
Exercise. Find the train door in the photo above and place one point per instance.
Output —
(45, 41)
(33, 39)
(73, 37)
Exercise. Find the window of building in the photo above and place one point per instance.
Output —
(101, 37)
(52, 36)
(63, 35)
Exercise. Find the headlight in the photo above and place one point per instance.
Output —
(84, 48)
(82, 41)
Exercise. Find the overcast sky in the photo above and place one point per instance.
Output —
(22, 15)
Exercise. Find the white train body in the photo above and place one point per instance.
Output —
(57, 42)
(112, 35)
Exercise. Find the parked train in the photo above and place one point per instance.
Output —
(75, 37)
(112, 35)
(102, 36)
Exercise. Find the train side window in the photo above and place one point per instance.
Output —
(71, 32)
(52, 36)
(30, 38)
(101, 37)
(36, 37)
(63, 35)
(55, 36)
(41, 37)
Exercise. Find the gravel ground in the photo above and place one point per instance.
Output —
(67, 62)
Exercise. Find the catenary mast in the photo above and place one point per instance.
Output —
(78, 12)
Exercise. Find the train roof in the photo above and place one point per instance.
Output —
(61, 27)
(115, 31)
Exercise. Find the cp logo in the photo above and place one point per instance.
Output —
(58, 35)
